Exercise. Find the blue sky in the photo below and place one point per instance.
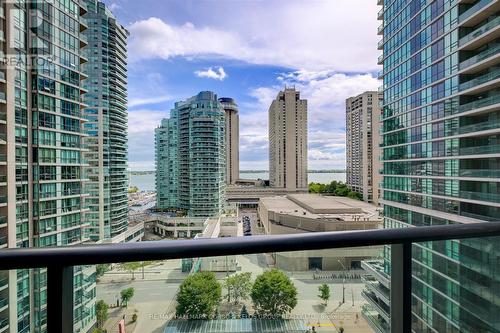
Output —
(249, 50)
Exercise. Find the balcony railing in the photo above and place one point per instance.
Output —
(491, 51)
(60, 261)
(490, 76)
(479, 31)
(474, 9)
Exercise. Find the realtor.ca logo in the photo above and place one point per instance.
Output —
(28, 43)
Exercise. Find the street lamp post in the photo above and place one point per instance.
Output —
(343, 282)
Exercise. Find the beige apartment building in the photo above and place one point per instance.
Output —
(232, 139)
(288, 141)
(363, 144)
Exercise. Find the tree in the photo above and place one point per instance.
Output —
(238, 287)
(324, 293)
(355, 195)
(199, 296)
(126, 295)
(131, 267)
(101, 269)
(342, 190)
(101, 312)
(133, 189)
(244, 313)
(273, 294)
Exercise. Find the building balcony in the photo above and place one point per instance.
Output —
(482, 60)
(380, 14)
(376, 269)
(480, 150)
(381, 307)
(478, 127)
(376, 322)
(485, 102)
(479, 173)
(4, 325)
(478, 12)
(478, 84)
(375, 286)
(380, 44)
(482, 35)
(480, 196)
(228, 255)
(380, 60)
(380, 29)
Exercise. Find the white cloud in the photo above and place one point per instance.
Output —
(217, 74)
(336, 35)
(133, 102)
(141, 126)
(114, 6)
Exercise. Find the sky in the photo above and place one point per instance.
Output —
(249, 50)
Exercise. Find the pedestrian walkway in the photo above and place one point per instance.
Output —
(115, 315)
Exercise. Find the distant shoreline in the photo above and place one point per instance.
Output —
(151, 172)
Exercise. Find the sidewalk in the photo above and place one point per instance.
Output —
(116, 314)
(165, 271)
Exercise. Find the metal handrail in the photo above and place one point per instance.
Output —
(21, 258)
(60, 261)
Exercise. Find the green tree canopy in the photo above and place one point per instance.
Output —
(126, 295)
(101, 269)
(324, 292)
(101, 312)
(199, 296)
(273, 294)
(355, 195)
(342, 190)
(238, 287)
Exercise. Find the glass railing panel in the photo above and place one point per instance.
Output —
(487, 101)
(487, 173)
(163, 292)
(492, 50)
(474, 9)
(490, 76)
(479, 31)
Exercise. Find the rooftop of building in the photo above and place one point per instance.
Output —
(315, 206)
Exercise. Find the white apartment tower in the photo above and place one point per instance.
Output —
(288, 141)
(362, 144)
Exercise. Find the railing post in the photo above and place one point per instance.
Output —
(60, 300)
(401, 288)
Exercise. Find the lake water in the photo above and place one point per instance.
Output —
(147, 182)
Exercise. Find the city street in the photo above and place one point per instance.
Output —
(154, 297)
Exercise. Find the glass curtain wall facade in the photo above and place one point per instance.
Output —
(167, 166)
(41, 152)
(107, 123)
(440, 142)
(191, 157)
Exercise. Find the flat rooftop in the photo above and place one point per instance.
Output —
(321, 207)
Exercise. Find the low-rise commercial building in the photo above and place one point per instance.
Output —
(300, 213)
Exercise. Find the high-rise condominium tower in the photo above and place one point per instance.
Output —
(288, 141)
(107, 123)
(362, 144)
(232, 140)
(191, 157)
(41, 152)
(441, 145)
